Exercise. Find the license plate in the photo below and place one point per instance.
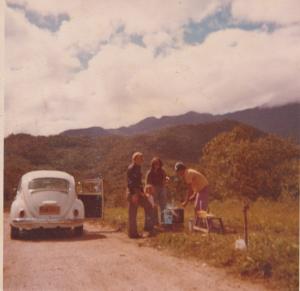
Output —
(49, 210)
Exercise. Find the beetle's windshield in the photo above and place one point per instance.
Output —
(49, 184)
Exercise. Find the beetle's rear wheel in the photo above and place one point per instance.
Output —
(14, 232)
(78, 230)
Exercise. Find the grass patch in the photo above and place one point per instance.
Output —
(273, 253)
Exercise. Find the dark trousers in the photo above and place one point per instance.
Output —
(201, 200)
(132, 213)
(155, 216)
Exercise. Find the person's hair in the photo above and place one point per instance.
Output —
(179, 166)
(155, 160)
(135, 155)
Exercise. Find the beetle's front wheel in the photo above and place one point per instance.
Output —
(78, 231)
(14, 232)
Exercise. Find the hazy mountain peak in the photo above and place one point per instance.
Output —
(282, 120)
(90, 131)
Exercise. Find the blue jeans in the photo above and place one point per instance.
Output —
(132, 215)
(161, 200)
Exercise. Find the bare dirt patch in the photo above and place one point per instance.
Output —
(103, 260)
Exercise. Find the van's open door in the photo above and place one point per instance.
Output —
(90, 191)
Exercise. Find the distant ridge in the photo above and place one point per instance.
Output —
(91, 131)
(152, 123)
(282, 120)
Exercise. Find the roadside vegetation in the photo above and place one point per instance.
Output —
(273, 252)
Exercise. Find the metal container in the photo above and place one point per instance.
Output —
(178, 215)
(191, 224)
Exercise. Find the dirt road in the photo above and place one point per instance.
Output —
(103, 260)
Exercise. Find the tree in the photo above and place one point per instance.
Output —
(244, 162)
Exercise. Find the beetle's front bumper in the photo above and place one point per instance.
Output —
(33, 223)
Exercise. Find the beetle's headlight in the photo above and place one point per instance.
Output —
(22, 213)
(75, 212)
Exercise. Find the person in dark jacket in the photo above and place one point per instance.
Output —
(136, 197)
(156, 177)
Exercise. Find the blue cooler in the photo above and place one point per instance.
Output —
(167, 217)
(172, 215)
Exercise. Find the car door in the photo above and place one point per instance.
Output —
(90, 192)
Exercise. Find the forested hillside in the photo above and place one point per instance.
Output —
(228, 148)
(109, 156)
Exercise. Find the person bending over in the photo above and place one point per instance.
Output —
(197, 186)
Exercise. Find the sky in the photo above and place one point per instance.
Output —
(76, 64)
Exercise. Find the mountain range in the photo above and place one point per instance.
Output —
(281, 120)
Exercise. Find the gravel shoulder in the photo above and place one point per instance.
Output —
(104, 260)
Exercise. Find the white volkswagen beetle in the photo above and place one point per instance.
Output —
(46, 199)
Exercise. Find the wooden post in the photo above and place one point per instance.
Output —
(245, 209)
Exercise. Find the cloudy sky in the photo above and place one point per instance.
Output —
(80, 63)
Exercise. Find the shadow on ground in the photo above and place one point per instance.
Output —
(59, 235)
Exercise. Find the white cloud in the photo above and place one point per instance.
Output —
(36, 69)
(216, 76)
(47, 92)
(93, 21)
(219, 77)
(278, 11)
